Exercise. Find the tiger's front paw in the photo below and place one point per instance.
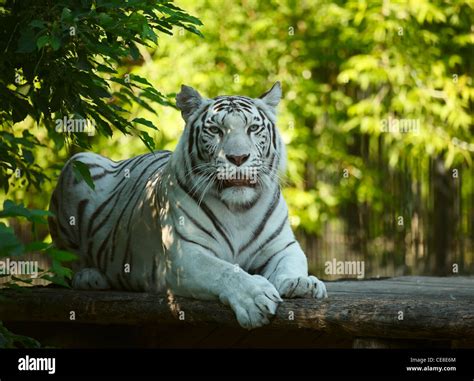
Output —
(254, 301)
(90, 279)
(303, 286)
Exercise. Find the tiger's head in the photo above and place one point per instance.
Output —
(231, 147)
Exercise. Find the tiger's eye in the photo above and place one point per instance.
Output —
(253, 127)
(215, 130)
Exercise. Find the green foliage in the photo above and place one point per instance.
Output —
(10, 209)
(11, 340)
(60, 60)
(10, 246)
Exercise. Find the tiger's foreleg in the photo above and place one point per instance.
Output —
(288, 272)
(196, 273)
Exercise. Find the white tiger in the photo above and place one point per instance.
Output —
(207, 221)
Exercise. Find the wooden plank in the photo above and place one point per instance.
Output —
(404, 308)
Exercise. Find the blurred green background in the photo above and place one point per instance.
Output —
(376, 115)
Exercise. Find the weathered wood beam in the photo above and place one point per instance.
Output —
(402, 308)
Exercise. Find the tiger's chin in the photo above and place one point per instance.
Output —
(239, 195)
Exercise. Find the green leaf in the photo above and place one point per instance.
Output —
(55, 279)
(58, 269)
(147, 140)
(11, 340)
(139, 79)
(55, 43)
(82, 172)
(134, 51)
(21, 108)
(10, 209)
(66, 15)
(62, 255)
(42, 41)
(105, 69)
(28, 156)
(145, 122)
(36, 246)
(9, 243)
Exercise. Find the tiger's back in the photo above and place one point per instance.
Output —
(114, 227)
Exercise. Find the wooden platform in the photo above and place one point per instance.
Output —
(395, 312)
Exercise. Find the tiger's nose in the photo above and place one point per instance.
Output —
(237, 160)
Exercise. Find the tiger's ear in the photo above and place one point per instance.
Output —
(188, 100)
(272, 97)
